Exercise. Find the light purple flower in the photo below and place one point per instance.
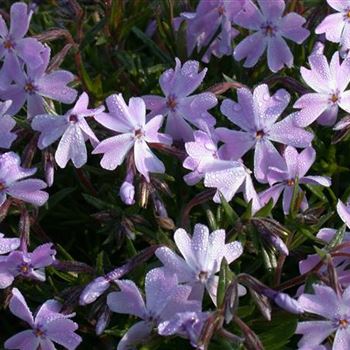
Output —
(203, 156)
(335, 312)
(203, 255)
(329, 81)
(283, 179)
(33, 84)
(344, 212)
(271, 30)
(185, 324)
(256, 115)
(28, 265)
(209, 18)
(6, 126)
(48, 327)
(340, 262)
(13, 181)
(133, 133)
(73, 130)
(7, 245)
(182, 110)
(14, 47)
(164, 299)
(336, 26)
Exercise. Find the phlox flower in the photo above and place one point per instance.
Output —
(209, 18)
(256, 115)
(329, 82)
(203, 254)
(6, 126)
(283, 179)
(28, 265)
(164, 299)
(33, 84)
(336, 26)
(185, 324)
(73, 130)
(203, 155)
(49, 326)
(209, 161)
(340, 262)
(15, 49)
(335, 312)
(129, 121)
(271, 29)
(14, 182)
(182, 109)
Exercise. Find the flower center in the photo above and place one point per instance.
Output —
(24, 268)
(334, 98)
(346, 15)
(8, 44)
(221, 10)
(171, 103)
(269, 29)
(38, 332)
(260, 134)
(29, 88)
(73, 118)
(203, 276)
(343, 323)
(291, 182)
(138, 133)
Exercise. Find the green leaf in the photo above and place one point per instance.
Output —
(275, 334)
(152, 46)
(99, 263)
(225, 278)
(337, 239)
(248, 212)
(265, 210)
(293, 204)
(321, 252)
(231, 215)
(317, 191)
(99, 203)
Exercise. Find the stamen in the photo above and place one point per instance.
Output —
(260, 134)
(291, 182)
(203, 276)
(73, 118)
(171, 103)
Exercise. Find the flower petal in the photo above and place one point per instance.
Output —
(19, 307)
(128, 300)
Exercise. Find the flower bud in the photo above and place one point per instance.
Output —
(93, 290)
(49, 168)
(287, 303)
(103, 320)
(127, 193)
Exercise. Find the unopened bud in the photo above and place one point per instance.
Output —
(103, 320)
(127, 193)
(49, 168)
(93, 290)
(287, 303)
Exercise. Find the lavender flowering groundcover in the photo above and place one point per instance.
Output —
(175, 174)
